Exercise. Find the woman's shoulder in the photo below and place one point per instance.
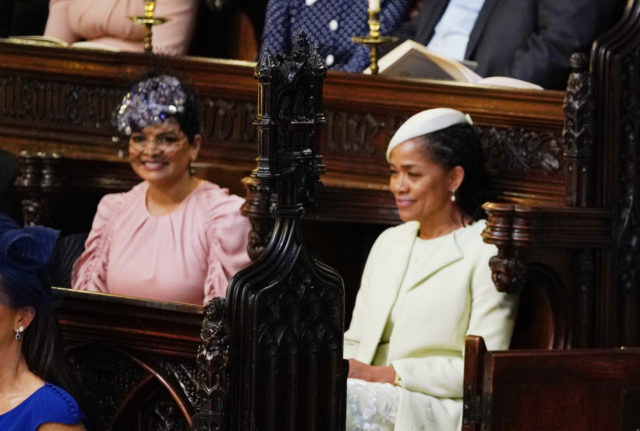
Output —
(112, 204)
(114, 201)
(470, 240)
(393, 234)
(48, 404)
(213, 198)
(409, 228)
(59, 405)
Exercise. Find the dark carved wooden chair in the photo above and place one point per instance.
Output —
(594, 236)
(580, 250)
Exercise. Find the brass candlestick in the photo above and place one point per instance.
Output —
(374, 39)
(148, 20)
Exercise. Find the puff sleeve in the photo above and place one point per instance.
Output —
(227, 234)
(90, 270)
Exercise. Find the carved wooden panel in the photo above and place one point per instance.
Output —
(62, 103)
(135, 359)
(615, 66)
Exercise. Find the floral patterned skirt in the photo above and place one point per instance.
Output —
(371, 406)
(374, 407)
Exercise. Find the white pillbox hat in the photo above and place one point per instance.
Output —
(424, 122)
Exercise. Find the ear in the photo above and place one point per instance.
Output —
(195, 147)
(24, 317)
(456, 176)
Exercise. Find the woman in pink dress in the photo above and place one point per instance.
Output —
(105, 22)
(173, 237)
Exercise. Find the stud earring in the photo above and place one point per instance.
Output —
(19, 332)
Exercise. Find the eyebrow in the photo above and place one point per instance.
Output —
(406, 165)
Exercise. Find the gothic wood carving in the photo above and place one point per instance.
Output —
(286, 311)
(122, 391)
(212, 370)
(519, 151)
(615, 65)
(578, 134)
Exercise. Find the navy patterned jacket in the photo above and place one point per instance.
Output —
(329, 25)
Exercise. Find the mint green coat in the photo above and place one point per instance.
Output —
(451, 298)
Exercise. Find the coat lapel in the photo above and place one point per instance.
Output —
(478, 28)
(389, 283)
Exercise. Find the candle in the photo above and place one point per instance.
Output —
(149, 7)
(374, 5)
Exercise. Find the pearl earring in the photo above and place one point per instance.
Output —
(453, 197)
(19, 332)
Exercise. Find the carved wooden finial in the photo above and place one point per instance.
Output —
(578, 134)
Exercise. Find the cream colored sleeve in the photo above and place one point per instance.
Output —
(353, 335)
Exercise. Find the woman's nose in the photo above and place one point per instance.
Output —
(151, 147)
(399, 184)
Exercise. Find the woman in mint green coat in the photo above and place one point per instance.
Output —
(426, 284)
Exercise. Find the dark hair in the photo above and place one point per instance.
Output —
(24, 282)
(190, 120)
(459, 145)
(167, 84)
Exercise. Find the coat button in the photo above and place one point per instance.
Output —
(329, 60)
(333, 25)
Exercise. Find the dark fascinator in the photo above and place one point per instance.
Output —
(150, 101)
(24, 254)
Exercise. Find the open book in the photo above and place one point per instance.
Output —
(54, 41)
(415, 60)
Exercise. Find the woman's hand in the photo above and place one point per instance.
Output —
(371, 373)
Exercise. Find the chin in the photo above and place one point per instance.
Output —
(406, 216)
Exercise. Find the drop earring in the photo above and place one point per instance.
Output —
(453, 197)
(19, 332)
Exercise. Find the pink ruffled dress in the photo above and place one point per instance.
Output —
(188, 255)
(105, 22)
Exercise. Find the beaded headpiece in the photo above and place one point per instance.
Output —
(150, 101)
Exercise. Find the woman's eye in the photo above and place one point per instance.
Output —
(415, 174)
(137, 138)
(167, 140)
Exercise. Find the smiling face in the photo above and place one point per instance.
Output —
(161, 153)
(422, 188)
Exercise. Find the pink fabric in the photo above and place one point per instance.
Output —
(106, 22)
(188, 255)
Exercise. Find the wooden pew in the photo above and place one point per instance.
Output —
(135, 358)
(61, 104)
(550, 390)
